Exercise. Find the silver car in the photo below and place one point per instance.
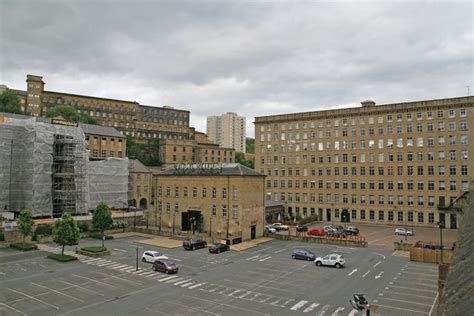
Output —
(333, 259)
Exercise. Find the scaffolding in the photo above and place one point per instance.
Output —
(69, 175)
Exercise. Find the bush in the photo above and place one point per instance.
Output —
(98, 235)
(42, 230)
(24, 246)
(83, 226)
(61, 258)
(312, 218)
(119, 224)
(94, 249)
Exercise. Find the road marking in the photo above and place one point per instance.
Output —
(434, 303)
(278, 251)
(16, 310)
(336, 312)
(115, 265)
(173, 280)
(56, 291)
(353, 312)
(187, 284)
(119, 267)
(160, 276)
(254, 257)
(379, 275)
(377, 264)
(323, 310)
(104, 264)
(33, 298)
(310, 307)
(380, 255)
(181, 282)
(409, 294)
(174, 259)
(121, 250)
(130, 269)
(168, 278)
(245, 294)
(197, 285)
(83, 277)
(366, 274)
(82, 288)
(352, 272)
(298, 305)
(409, 302)
(147, 273)
(235, 292)
(404, 309)
(263, 259)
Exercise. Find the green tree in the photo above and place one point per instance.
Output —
(25, 223)
(66, 232)
(250, 145)
(239, 158)
(69, 113)
(9, 102)
(102, 219)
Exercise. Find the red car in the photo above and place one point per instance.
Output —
(316, 232)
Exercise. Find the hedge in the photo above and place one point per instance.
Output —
(24, 246)
(94, 249)
(61, 258)
(42, 230)
(98, 235)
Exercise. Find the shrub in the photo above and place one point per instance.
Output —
(61, 258)
(43, 230)
(312, 218)
(94, 249)
(24, 246)
(83, 227)
(98, 235)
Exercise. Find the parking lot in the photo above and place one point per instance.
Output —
(261, 280)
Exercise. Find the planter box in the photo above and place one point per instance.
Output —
(93, 254)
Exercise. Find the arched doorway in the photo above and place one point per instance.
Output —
(143, 204)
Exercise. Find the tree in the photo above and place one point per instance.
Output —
(69, 113)
(102, 219)
(66, 232)
(239, 158)
(9, 102)
(25, 223)
(250, 145)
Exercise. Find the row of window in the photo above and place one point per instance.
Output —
(214, 213)
(371, 171)
(359, 199)
(451, 113)
(103, 154)
(206, 159)
(400, 129)
(194, 192)
(370, 144)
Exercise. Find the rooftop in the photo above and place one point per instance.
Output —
(210, 169)
(101, 130)
(135, 166)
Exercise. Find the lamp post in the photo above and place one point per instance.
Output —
(174, 214)
(210, 226)
(441, 226)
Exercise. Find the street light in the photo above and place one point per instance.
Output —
(441, 226)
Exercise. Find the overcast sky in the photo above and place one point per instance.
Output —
(254, 58)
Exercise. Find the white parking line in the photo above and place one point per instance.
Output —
(168, 278)
(366, 274)
(34, 298)
(254, 257)
(336, 312)
(12, 308)
(403, 309)
(187, 284)
(323, 310)
(263, 259)
(57, 292)
(298, 305)
(121, 250)
(173, 280)
(119, 267)
(353, 312)
(310, 307)
(409, 288)
(175, 259)
(197, 285)
(82, 288)
(181, 282)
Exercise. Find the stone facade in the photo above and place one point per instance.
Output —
(225, 201)
(139, 185)
(382, 164)
(104, 142)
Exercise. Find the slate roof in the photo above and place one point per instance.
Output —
(100, 130)
(210, 169)
(135, 165)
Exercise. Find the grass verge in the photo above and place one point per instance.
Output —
(94, 249)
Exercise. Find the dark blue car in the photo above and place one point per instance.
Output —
(303, 254)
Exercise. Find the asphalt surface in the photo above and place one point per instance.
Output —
(263, 280)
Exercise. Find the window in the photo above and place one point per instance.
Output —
(400, 216)
(362, 214)
(372, 215)
(195, 192)
(234, 211)
(214, 193)
(224, 210)
(421, 217)
(381, 215)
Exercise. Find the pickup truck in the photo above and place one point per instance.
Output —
(280, 226)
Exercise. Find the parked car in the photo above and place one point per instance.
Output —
(333, 259)
(279, 226)
(218, 248)
(328, 228)
(152, 256)
(165, 266)
(301, 228)
(403, 231)
(269, 229)
(351, 230)
(317, 232)
(191, 244)
(303, 254)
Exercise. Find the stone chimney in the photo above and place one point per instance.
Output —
(367, 103)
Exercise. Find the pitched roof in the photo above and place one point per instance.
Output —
(135, 165)
(210, 169)
(101, 130)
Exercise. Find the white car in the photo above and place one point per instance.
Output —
(280, 226)
(152, 256)
(269, 229)
(403, 231)
(333, 259)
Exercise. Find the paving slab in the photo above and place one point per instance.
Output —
(250, 244)
(163, 242)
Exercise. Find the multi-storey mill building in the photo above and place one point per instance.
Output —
(129, 117)
(400, 164)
